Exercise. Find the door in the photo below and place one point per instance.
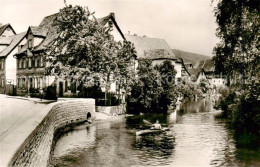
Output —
(61, 89)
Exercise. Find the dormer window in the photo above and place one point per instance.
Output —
(20, 47)
(30, 43)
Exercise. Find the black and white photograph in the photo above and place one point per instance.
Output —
(129, 83)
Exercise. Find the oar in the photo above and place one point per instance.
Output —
(145, 121)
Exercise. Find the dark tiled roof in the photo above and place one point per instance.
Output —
(144, 44)
(197, 68)
(205, 65)
(37, 31)
(157, 54)
(48, 30)
(209, 65)
(16, 39)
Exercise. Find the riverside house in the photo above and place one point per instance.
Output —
(31, 57)
(158, 50)
(9, 42)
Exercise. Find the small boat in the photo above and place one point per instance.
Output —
(147, 131)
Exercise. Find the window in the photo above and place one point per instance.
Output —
(24, 63)
(33, 62)
(20, 48)
(41, 61)
(36, 62)
(30, 43)
(18, 82)
(29, 62)
(36, 82)
(40, 80)
(23, 81)
(30, 82)
(2, 82)
(20, 63)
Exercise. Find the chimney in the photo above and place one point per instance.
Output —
(113, 15)
(128, 32)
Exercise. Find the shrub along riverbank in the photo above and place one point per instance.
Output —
(155, 89)
(241, 106)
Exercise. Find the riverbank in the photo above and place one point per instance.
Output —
(99, 119)
(196, 134)
(35, 149)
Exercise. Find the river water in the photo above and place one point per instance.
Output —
(195, 138)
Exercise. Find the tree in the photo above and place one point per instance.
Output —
(82, 49)
(204, 85)
(154, 89)
(146, 89)
(238, 29)
(167, 78)
(238, 52)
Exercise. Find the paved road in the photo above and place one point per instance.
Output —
(18, 118)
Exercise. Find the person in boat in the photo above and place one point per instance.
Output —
(157, 125)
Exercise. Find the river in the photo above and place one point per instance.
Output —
(196, 138)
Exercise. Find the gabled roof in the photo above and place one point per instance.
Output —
(183, 65)
(48, 30)
(5, 40)
(16, 39)
(209, 65)
(104, 20)
(146, 44)
(37, 31)
(4, 27)
(197, 68)
(206, 66)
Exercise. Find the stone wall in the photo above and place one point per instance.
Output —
(36, 149)
(112, 110)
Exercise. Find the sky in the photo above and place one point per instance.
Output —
(188, 25)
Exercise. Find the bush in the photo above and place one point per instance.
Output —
(242, 108)
(247, 116)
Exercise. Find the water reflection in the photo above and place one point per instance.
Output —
(155, 149)
(195, 138)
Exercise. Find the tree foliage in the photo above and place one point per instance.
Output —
(84, 50)
(238, 52)
(238, 29)
(167, 78)
(154, 89)
(147, 89)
